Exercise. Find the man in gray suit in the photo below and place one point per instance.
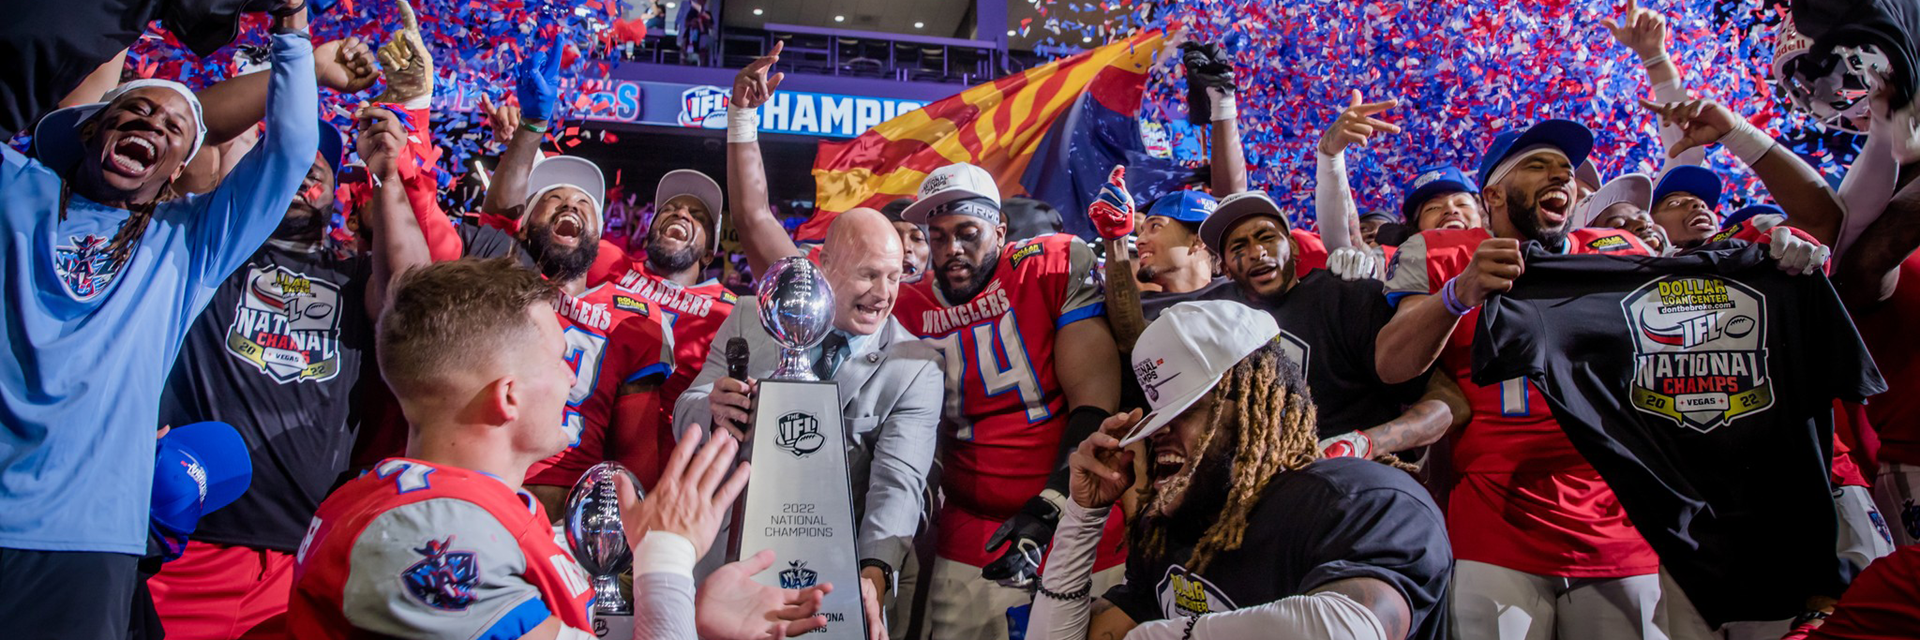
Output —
(891, 389)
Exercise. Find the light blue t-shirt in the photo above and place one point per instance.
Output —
(90, 348)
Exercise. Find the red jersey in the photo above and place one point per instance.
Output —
(693, 314)
(1883, 603)
(414, 550)
(1524, 499)
(1005, 412)
(1888, 331)
(1311, 252)
(614, 337)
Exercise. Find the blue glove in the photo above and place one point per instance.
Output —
(539, 85)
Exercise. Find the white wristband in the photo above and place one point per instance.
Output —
(1649, 62)
(663, 552)
(1747, 142)
(1225, 107)
(743, 125)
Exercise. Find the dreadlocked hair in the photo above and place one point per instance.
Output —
(1262, 414)
(131, 231)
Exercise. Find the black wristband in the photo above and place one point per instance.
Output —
(1076, 594)
(1083, 421)
(886, 570)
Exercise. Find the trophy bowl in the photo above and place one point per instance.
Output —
(796, 308)
(596, 535)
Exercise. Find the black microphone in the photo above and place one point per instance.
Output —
(737, 358)
(737, 369)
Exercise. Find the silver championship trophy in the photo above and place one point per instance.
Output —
(597, 537)
(799, 503)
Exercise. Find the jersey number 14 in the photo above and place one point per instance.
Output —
(983, 348)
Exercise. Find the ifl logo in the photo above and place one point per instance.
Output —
(444, 579)
(799, 434)
(797, 575)
(704, 107)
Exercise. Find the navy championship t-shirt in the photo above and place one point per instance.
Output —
(278, 355)
(1335, 519)
(1329, 326)
(1701, 387)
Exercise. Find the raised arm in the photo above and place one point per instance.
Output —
(1644, 31)
(761, 235)
(1869, 272)
(234, 105)
(538, 87)
(233, 220)
(1210, 68)
(1112, 214)
(398, 244)
(1811, 205)
(1333, 204)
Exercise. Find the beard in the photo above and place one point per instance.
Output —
(1191, 502)
(964, 291)
(664, 261)
(1526, 220)
(1146, 273)
(303, 222)
(561, 263)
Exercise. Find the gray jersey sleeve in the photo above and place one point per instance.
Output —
(1407, 275)
(440, 569)
(1083, 285)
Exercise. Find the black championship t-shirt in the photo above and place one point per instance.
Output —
(1335, 519)
(277, 354)
(1701, 387)
(1329, 326)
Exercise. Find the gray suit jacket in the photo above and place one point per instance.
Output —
(891, 393)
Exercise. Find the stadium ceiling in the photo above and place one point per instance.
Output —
(941, 18)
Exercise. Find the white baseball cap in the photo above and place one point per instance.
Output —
(56, 138)
(1635, 188)
(554, 172)
(687, 182)
(949, 183)
(1185, 352)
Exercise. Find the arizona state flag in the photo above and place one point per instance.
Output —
(997, 125)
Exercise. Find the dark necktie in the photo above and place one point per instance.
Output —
(833, 351)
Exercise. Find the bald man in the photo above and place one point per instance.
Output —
(891, 390)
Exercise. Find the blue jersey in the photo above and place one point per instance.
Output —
(90, 346)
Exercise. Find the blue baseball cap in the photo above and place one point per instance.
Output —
(1700, 182)
(1571, 138)
(1435, 180)
(1748, 212)
(200, 467)
(332, 146)
(1191, 207)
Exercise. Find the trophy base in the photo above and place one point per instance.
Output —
(799, 504)
(607, 599)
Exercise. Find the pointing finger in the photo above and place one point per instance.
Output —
(406, 15)
(1119, 176)
(1382, 125)
(1373, 107)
